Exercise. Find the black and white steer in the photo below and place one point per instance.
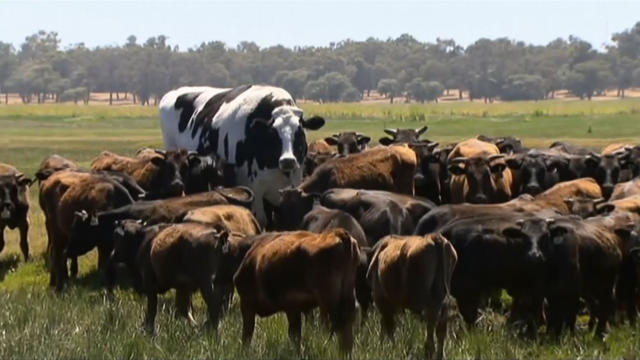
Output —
(257, 128)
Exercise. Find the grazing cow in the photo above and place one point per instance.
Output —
(203, 172)
(506, 144)
(67, 198)
(381, 168)
(14, 205)
(258, 129)
(349, 142)
(380, 213)
(54, 163)
(236, 219)
(480, 173)
(160, 175)
(626, 189)
(184, 257)
(294, 272)
(98, 227)
(414, 273)
(402, 136)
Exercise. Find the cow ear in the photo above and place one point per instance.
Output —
(363, 139)
(498, 168)
(331, 140)
(386, 141)
(456, 169)
(82, 215)
(421, 130)
(194, 161)
(313, 123)
(512, 232)
(22, 180)
(605, 208)
(592, 160)
(157, 161)
(569, 202)
(514, 162)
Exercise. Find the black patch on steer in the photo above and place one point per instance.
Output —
(226, 146)
(265, 146)
(185, 102)
(208, 142)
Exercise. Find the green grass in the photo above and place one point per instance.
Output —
(81, 323)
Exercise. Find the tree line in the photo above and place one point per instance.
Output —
(40, 70)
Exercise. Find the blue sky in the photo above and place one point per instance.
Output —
(188, 23)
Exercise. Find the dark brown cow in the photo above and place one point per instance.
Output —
(160, 176)
(184, 257)
(67, 198)
(381, 168)
(431, 172)
(506, 144)
(414, 273)
(295, 272)
(480, 173)
(349, 142)
(318, 152)
(402, 136)
(14, 205)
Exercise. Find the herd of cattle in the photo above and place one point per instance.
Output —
(239, 200)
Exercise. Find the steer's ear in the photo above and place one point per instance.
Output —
(363, 139)
(421, 131)
(605, 208)
(386, 141)
(312, 123)
(23, 180)
(157, 161)
(456, 168)
(513, 232)
(514, 162)
(331, 140)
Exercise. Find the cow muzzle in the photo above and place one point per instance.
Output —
(288, 164)
(5, 214)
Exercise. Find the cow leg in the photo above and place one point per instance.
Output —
(295, 327)
(183, 305)
(1, 239)
(59, 268)
(429, 346)
(24, 239)
(214, 306)
(74, 267)
(387, 322)
(468, 306)
(152, 309)
(248, 321)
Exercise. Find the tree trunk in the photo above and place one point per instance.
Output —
(126, 94)
(459, 94)
(117, 96)
(110, 97)
(134, 98)
(391, 100)
(6, 98)
(622, 93)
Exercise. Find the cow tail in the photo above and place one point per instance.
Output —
(445, 271)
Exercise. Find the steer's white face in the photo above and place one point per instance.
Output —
(287, 124)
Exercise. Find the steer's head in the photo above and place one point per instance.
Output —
(533, 235)
(11, 193)
(533, 172)
(404, 136)
(280, 141)
(481, 173)
(349, 142)
(605, 170)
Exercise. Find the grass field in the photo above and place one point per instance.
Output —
(82, 323)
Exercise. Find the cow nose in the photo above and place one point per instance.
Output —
(288, 164)
(176, 186)
(533, 189)
(418, 178)
(607, 189)
(480, 199)
(535, 255)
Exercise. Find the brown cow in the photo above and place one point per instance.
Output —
(402, 136)
(294, 272)
(184, 257)
(380, 168)
(414, 272)
(318, 152)
(54, 163)
(160, 176)
(66, 198)
(349, 142)
(480, 173)
(236, 219)
(629, 204)
(14, 205)
(626, 189)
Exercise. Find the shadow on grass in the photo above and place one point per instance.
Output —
(95, 280)
(8, 264)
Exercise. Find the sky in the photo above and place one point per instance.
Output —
(314, 23)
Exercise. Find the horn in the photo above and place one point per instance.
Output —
(496, 157)
(457, 160)
(160, 151)
(550, 221)
(421, 130)
(392, 132)
(520, 222)
(432, 146)
(594, 156)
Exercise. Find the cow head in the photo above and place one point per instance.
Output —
(349, 142)
(583, 206)
(482, 174)
(12, 193)
(164, 172)
(535, 172)
(313, 160)
(52, 164)
(405, 136)
(280, 141)
(534, 236)
(293, 207)
(605, 169)
(427, 178)
(127, 237)
(87, 232)
(568, 167)
(632, 159)
(204, 172)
